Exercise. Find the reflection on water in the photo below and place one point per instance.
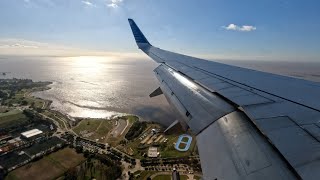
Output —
(95, 86)
(106, 86)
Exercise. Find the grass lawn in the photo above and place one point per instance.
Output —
(168, 177)
(162, 177)
(67, 157)
(182, 145)
(103, 130)
(98, 127)
(20, 96)
(131, 118)
(42, 169)
(51, 115)
(9, 113)
(12, 117)
(49, 167)
(183, 177)
(184, 139)
(89, 125)
(144, 174)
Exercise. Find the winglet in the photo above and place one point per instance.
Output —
(141, 40)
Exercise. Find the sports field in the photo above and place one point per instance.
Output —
(49, 167)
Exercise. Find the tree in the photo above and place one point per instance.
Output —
(24, 103)
(79, 149)
(136, 129)
(71, 174)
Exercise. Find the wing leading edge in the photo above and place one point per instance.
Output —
(249, 124)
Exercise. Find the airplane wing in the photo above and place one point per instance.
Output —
(249, 124)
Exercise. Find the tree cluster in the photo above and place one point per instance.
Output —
(136, 129)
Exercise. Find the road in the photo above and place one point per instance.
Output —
(44, 104)
(65, 128)
(117, 131)
(54, 121)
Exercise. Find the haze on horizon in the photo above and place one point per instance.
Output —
(248, 30)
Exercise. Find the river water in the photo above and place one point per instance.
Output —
(101, 87)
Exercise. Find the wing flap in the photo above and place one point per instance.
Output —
(231, 148)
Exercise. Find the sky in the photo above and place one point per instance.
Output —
(216, 29)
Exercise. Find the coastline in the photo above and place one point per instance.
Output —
(113, 111)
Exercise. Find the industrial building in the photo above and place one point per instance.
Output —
(32, 134)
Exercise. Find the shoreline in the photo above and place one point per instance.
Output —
(77, 119)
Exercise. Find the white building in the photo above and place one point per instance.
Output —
(153, 152)
(31, 133)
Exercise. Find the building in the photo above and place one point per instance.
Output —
(33, 134)
(175, 175)
(5, 138)
(2, 172)
(153, 152)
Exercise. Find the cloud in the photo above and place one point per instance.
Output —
(26, 47)
(244, 28)
(18, 44)
(88, 3)
(40, 3)
(22, 47)
(114, 3)
(247, 28)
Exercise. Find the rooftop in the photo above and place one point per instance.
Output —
(31, 133)
(153, 152)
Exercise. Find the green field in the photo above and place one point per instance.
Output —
(182, 145)
(143, 175)
(162, 177)
(184, 139)
(23, 95)
(51, 115)
(12, 118)
(168, 177)
(131, 118)
(89, 125)
(49, 167)
(3, 109)
(98, 127)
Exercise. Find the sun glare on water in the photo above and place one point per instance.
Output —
(86, 77)
(87, 64)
